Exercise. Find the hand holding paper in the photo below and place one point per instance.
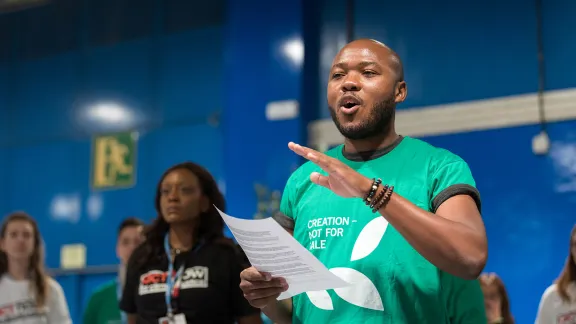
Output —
(259, 288)
(272, 250)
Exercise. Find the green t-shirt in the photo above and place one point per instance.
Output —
(392, 283)
(103, 306)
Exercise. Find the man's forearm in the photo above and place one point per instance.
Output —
(278, 313)
(450, 246)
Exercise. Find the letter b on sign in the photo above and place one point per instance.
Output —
(114, 161)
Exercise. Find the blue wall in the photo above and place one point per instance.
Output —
(178, 70)
(259, 71)
(528, 214)
(47, 152)
(170, 77)
(464, 53)
(198, 85)
(468, 51)
(471, 51)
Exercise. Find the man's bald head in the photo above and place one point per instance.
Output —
(366, 82)
(385, 53)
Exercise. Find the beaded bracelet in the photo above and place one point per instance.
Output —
(379, 196)
(370, 195)
(384, 200)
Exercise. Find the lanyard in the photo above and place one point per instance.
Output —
(119, 294)
(173, 280)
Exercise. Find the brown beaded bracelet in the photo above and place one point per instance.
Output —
(379, 196)
(384, 200)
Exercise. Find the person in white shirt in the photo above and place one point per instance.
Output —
(27, 294)
(558, 303)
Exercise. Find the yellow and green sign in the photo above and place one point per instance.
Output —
(114, 160)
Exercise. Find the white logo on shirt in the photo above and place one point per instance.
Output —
(154, 281)
(21, 309)
(362, 292)
(567, 318)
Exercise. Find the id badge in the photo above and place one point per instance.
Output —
(176, 319)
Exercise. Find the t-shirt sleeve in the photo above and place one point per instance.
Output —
(546, 313)
(58, 311)
(128, 299)
(91, 310)
(240, 306)
(452, 178)
(286, 216)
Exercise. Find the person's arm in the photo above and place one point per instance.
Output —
(58, 312)
(452, 236)
(455, 242)
(250, 319)
(278, 313)
(546, 308)
(243, 312)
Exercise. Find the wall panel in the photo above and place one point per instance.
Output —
(559, 47)
(161, 64)
(44, 94)
(5, 99)
(528, 204)
(472, 51)
(191, 78)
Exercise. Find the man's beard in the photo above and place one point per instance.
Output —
(378, 122)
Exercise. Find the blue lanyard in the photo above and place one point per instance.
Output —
(119, 294)
(171, 280)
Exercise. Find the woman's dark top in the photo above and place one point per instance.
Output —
(209, 290)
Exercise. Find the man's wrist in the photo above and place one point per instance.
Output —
(277, 313)
(366, 187)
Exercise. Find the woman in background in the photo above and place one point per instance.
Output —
(185, 271)
(558, 303)
(496, 299)
(27, 294)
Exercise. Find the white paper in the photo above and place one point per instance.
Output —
(271, 249)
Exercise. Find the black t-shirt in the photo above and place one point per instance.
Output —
(209, 289)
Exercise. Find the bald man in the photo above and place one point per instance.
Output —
(393, 216)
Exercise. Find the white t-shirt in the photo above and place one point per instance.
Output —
(18, 305)
(553, 310)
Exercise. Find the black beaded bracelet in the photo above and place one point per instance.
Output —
(370, 195)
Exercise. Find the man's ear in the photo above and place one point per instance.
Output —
(400, 92)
